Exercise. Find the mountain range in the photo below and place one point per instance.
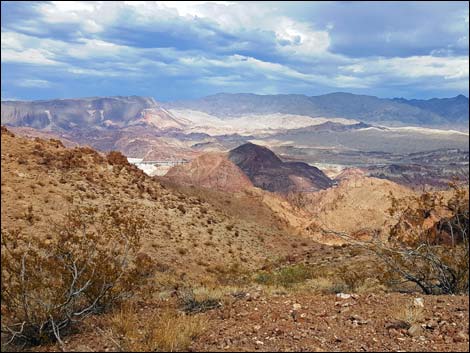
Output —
(118, 112)
(329, 131)
(445, 112)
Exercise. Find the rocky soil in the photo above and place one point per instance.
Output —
(313, 322)
(259, 321)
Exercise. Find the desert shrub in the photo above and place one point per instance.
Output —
(83, 267)
(69, 159)
(56, 143)
(264, 278)
(285, 276)
(352, 278)
(297, 199)
(6, 131)
(117, 158)
(429, 245)
(29, 215)
(233, 274)
(191, 304)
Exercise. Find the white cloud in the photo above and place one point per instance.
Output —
(33, 83)
(93, 72)
(21, 48)
(72, 12)
(228, 46)
(300, 39)
(251, 67)
(28, 56)
(413, 67)
(95, 48)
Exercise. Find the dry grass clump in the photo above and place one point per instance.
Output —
(169, 331)
(324, 285)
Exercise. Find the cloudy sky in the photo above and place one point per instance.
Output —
(177, 50)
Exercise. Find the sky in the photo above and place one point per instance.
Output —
(183, 50)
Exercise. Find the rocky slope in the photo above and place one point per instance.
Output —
(268, 172)
(213, 171)
(357, 206)
(42, 180)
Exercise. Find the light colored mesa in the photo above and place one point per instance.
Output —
(247, 124)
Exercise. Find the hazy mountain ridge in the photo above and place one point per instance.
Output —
(457, 107)
(217, 113)
(437, 112)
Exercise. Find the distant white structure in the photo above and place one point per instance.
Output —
(162, 163)
(156, 167)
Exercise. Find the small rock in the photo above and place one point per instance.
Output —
(431, 324)
(343, 296)
(397, 324)
(415, 330)
(461, 337)
(358, 320)
(297, 306)
(259, 343)
(418, 302)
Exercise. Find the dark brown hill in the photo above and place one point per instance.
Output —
(267, 171)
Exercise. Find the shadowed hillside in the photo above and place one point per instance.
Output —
(268, 172)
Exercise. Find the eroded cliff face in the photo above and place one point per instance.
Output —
(70, 114)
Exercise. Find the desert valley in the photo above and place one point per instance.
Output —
(257, 217)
